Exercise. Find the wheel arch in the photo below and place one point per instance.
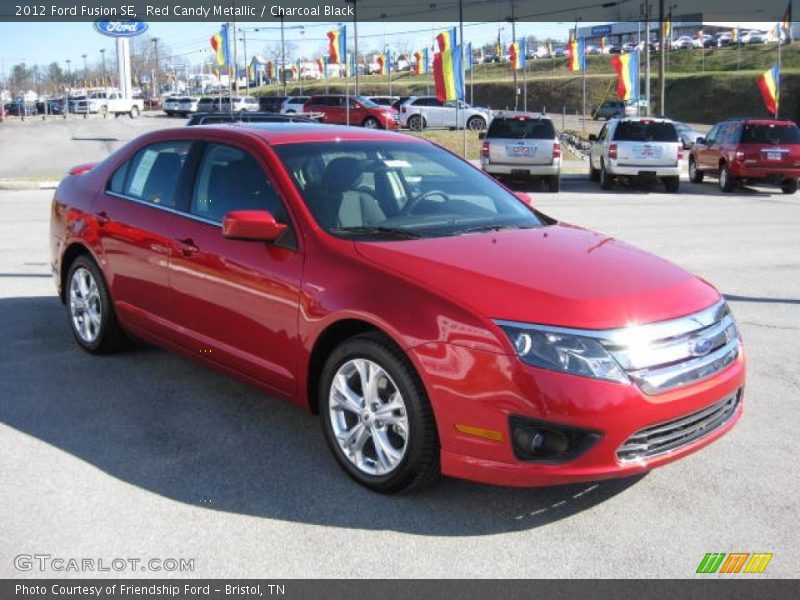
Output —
(328, 339)
(72, 252)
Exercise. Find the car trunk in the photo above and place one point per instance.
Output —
(771, 146)
(522, 140)
(647, 144)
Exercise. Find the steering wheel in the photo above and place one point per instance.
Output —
(409, 207)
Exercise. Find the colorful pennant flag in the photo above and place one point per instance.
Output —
(770, 85)
(219, 43)
(668, 26)
(627, 68)
(447, 73)
(337, 45)
(576, 54)
(516, 54)
(421, 64)
(468, 57)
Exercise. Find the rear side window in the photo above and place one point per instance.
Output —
(537, 129)
(645, 131)
(152, 175)
(231, 179)
(771, 134)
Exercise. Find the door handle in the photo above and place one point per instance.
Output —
(102, 218)
(187, 246)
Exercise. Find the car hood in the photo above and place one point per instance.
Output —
(556, 275)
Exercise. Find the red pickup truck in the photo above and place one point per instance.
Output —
(748, 150)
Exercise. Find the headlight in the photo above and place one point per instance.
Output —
(567, 353)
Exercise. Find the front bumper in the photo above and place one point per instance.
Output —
(483, 390)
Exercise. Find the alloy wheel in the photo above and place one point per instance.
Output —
(84, 305)
(368, 416)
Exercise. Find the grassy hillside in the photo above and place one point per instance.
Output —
(701, 86)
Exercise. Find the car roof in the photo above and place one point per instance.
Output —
(295, 133)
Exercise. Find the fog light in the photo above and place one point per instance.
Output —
(540, 441)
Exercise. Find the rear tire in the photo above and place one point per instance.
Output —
(476, 124)
(695, 174)
(409, 447)
(415, 123)
(789, 186)
(726, 182)
(553, 183)
(91, 314)
(672, 184)
(606, 182)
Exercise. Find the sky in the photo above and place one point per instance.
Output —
(43, 43)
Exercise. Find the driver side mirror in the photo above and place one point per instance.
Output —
(525, 198)
(252, 225)
(482, 135)
(592, 137)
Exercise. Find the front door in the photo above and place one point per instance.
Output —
(237, 301)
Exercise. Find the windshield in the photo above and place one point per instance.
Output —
(645, 131)
(771, 134)
(522, 128)
(398, 190)
(366, 101)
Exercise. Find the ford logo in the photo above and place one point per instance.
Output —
(120, 28)
(701, 346)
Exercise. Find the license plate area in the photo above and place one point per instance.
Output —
(774, 155)
(520, 151)
(648, 153)
(520, 172)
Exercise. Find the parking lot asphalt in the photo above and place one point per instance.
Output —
(147, 455)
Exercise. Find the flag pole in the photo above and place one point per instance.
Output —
(778, 83)
(461, 52)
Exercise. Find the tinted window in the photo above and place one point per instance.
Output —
(231, 179)
(408, 190)
(771, 134)
(154, 172)
(645, 131)
(519, 128)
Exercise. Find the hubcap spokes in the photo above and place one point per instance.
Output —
(368, 416)
(84, 305)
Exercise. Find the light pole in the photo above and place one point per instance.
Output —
(355, 38)
(156, 88)
(69, 84)
(103, 57)
(85, 70)
(283, 57)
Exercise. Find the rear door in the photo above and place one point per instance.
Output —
(136, 214)
(521, 141)
(646, 143)
(236, 300)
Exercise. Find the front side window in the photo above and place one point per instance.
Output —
(375, 190)
(152, 175)
(231, 179)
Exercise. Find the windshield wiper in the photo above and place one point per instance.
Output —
(494, 227)
(396, 232)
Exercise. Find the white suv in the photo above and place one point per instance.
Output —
(419, 112)
(641, 147)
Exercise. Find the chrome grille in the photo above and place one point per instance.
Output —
(672, 435)
(671, 354)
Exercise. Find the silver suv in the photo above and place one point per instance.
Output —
(641, 147)
(421, 112)
(519, 144)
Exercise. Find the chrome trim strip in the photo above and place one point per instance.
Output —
(645, 333)
(168, 209)
(656, 381)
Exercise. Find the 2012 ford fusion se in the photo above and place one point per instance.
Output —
(437, 322)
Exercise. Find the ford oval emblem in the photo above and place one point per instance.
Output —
(120, 28)
(701, 346)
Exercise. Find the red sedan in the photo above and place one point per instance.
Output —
(434, 320)
(338, 109)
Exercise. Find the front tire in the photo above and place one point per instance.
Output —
(134, 114)
(376, 416)
(91, 314)
(371, 123)
(476, 124)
